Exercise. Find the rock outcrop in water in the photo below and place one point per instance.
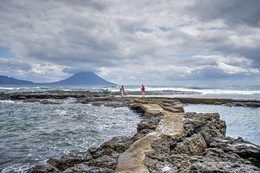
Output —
(167, 140)
(111, 98)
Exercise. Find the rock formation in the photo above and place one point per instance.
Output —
(112, 99)
(167, 140)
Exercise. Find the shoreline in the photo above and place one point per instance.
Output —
(113, 97)
(167, 140)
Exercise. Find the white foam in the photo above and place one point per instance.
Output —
(166, 168)
(7, 101)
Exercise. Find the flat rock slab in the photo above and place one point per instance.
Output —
(132, 160)
(171, 124)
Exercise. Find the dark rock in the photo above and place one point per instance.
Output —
(239, 146)
(43, 169)
(208, 125)
(159, 166)
(84, 168)
(118, 144)
(67, 161)
(201, 147)
(194, 145)
(48, 102)
(150, 123)
(243, 104)
(216, 160)
(103, 162)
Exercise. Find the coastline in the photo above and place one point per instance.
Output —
(167, 140)
(108, 98)
(192, 147)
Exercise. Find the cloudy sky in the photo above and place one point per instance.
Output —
(154, 42)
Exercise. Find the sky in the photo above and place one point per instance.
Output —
(151, 42)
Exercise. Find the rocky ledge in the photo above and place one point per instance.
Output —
(58, 97)
(114, 100)
(167, 140)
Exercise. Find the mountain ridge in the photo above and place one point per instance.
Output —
(81, 78)
(5, 80)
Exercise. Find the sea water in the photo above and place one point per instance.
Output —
(31, 133)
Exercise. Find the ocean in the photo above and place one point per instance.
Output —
(32, 133)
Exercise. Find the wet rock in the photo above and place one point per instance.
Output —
(49, 102)
(243, 104)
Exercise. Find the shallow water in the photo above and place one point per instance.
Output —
(31, 133)
(241, 121)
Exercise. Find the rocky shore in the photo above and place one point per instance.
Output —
(167, 139)
(114, 99)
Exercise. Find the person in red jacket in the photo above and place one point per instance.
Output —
(143, 91)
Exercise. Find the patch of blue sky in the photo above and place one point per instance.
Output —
(218, 28)
(144, 29)
(5, 53)
(165, 28)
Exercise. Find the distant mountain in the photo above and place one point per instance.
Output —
(4, 80)
(82, 78)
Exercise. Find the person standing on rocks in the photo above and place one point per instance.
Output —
(122, 91)
(143, 91)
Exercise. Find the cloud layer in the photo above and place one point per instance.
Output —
(151, 42)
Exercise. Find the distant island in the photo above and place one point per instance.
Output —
(81, 78)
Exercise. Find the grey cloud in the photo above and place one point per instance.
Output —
(117, 35)
(233, 12)
(14, 68)
(242, 19)
(95, 4)
(10, 66)
(209, 73)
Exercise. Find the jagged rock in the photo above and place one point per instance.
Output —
(43, 169)
(194, 145)
(84, 168)
(239, 146)
(118, 144)
(103, 162)
(210, 125)
(97, 152)
(197, 144)
(70, 160)
(150, 123)
(217, 160)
